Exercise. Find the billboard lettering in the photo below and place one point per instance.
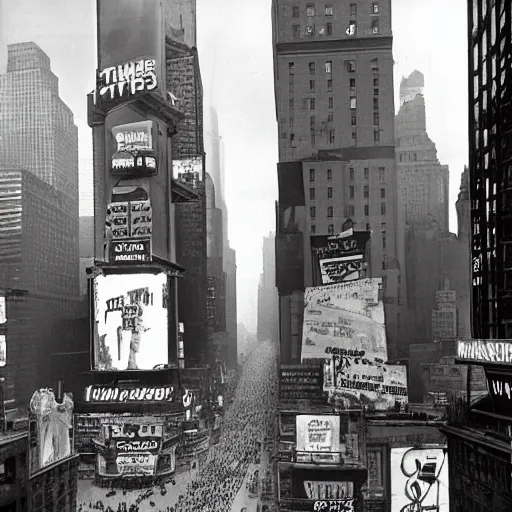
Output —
(328, 490)
(346, 505)
(127, 251)
(300, 382)
(136, 446)
(134, 136)
(419, 479)
(485, 351)
(188, 171)
(119, 395)
(318, 437)
(500, 389)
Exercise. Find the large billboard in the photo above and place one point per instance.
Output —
(189, 171)
(344, 319)
(130, 321)
(362, 381)
(485, 351)
(419, 479)
(50, 429)
(318, 438)
(339, 258)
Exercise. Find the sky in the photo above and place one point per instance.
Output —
(235, 53)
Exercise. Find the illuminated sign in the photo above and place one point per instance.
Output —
(3, 310)
(318, 438)
(500, 389)
(130, 311)
(485, 351)
(128, 251)
(334, 505)
(188, 171)
(142, 164)
(129, 219)
(3, 350)
(328, 490)
(300, 381)
(134, 136)
(103, 394)
(122, 82)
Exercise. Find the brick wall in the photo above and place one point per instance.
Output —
(15, 492)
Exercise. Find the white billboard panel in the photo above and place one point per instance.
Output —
(318, 437)
(419, 479)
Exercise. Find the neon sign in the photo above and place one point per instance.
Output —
(106, 394)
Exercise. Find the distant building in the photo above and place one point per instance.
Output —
(231, 308)
(180, 21)
(86, 246)
(444, 317)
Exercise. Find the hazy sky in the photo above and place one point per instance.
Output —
(235, 51)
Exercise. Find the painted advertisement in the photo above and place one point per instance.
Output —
(318, 438)
(328, 490)
(346, 505)
(131, 321)
(129, 219)
(344, 319)
(419, 479)
(117, 395)
(50, 429)
(129, 251)
(189, 171)
(363, 381)
(339, 258)
(485, 351)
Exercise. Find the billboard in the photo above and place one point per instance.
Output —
(129, 219)
(318, 438)
(419, 479)
(485, 351)
(339, 258)
(344, 319)
(3, 310)
(500, 389)
(135, 149)
(129, 251)
(362, 381)
(300, 382)
(50, 429)
(131, 321)
(115, 394)
(189, 171)
(346, 505)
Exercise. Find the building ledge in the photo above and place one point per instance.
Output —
(351, 44)
(155, 266)
(322, 466)
(489, 439)
(180, 193)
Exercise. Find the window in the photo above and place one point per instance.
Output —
(353, 120)
(292, 104)
(352, 85)
(353, 103)
(312, 194)
(376, 136)
(331, 136)
(374, 64)
(292, 139)
(291, 67)
(313, 137)
(331, 103)
(351, 174)
(352, 28)
(312, 211)
(375, 103)
(330, 229)
(292, 120)
(330, 117)
(311, 174)
(354, 137)
(375, 92)
(376, 119)
(383, 208)
(313, 228)
(351, 66)
(311, 103)
(311, 121)
(328, 10)
(384, 241)
(309, 30)
(375, 82)
(383, 226)
(383, 264)
(329, 211)
(328, 26)
(329, 85)
(352, 192)
(329, 174)
(375, 26)
(329, 192)
(296, 31)
(382, 174)
(328, 67)
(312, 68)
(366, 210)
(366, 173)
(383, 193)
(312, 85)
(310, 10)
(414, 157)
(375, 8)
(353, 9)
(295, 11)
(366, 192)
(351, 210)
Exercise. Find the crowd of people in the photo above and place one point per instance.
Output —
(248, 423)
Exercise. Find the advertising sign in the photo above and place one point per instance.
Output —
(135, 151)
(115, 394)
(346, 505)
(131, 321)
(129, 219)
(129, 251)
(3, 310)
(3, 350)
(485, 351)
(328, 490)
(364, 381)
(318, 437)
(300, 382)
(188, 171)
(419, 479)
(339, 258)
(500, 389)
(344, 319)
(50, 429)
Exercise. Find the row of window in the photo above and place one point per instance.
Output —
(329, 10)
(349, 64)
(328, 30)
(352, 174)
(366, 192)
(349, 210)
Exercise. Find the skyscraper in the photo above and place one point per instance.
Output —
(333, 72)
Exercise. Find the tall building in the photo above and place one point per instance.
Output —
(180, 21)
(268, 301)
(86, 189)
(231, 308)
(479, 435)
(422, 181)
(333, 74)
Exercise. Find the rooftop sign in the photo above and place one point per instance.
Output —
(485, 351)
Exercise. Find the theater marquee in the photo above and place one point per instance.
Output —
(485, 351)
